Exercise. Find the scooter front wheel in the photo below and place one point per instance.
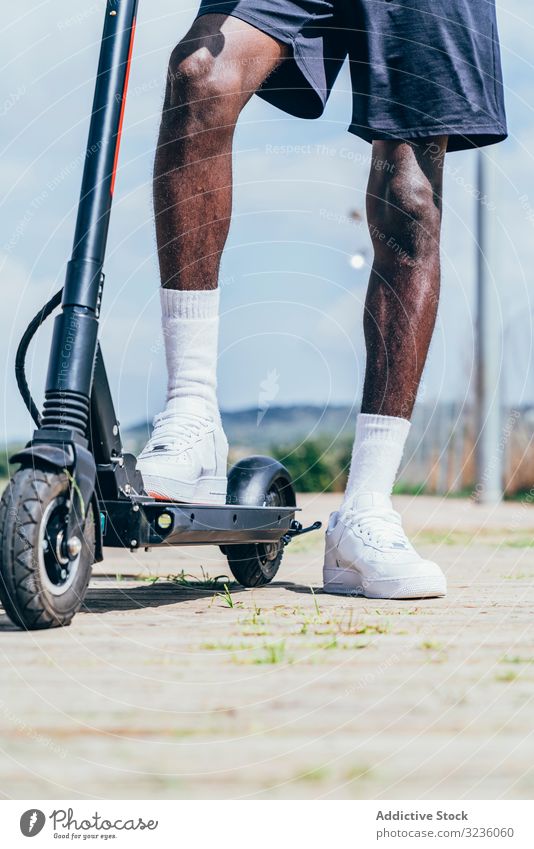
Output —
(41, 584)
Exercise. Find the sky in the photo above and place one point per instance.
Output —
(291, 303)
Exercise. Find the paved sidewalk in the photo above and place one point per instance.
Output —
(164, 690)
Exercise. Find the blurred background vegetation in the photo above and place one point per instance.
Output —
(315, 444)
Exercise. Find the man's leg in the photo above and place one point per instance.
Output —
(404, 218)
(213, 72)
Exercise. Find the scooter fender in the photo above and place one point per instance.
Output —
(70, 457)
(250, 479)
(57, 456)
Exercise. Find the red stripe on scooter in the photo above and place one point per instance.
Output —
(123, 106)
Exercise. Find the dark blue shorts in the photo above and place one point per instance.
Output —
(419, 68)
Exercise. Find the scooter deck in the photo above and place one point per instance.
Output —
(144, 522)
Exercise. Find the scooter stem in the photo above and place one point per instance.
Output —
(72, 356)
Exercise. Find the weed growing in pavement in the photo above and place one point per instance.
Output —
(228, 599)
(204, 582)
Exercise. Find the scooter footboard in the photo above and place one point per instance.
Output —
(144, 522)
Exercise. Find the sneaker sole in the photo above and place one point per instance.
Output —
(347, 582)
(203, 491)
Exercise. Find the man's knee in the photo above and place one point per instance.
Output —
(201, 84)
(404, 208)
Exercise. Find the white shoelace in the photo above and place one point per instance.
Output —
(381, 526)
(177, 432)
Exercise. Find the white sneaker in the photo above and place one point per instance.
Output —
(185, 458)
(367, 553)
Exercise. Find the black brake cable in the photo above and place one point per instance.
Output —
(20, 359)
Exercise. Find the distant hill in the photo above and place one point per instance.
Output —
(314, 442)
(257, 430)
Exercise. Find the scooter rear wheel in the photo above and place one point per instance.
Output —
(256, 564)
(40, 587)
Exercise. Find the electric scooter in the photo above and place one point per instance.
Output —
(76, 490)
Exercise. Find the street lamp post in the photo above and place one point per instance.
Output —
(489, 450)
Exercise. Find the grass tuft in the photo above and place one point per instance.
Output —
(273, 653)
(517, 659)
(228, 599)
(206, 582)
(508, 676)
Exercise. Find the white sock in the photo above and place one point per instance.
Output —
(376, 455)
(190, 323)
